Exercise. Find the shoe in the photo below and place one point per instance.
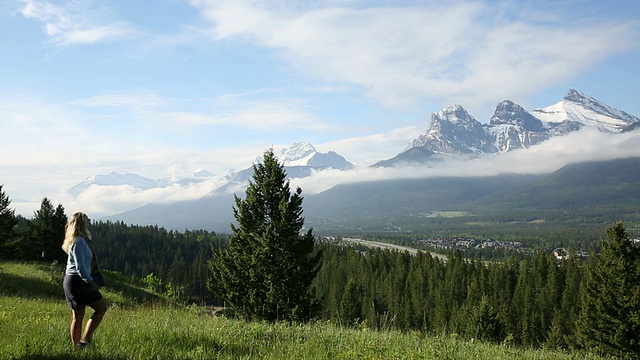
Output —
(81, 345)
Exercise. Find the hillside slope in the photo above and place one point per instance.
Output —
(34, 326)
(44, 281)
(598, 185)
(606, 190)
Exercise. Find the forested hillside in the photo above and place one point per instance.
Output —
(587, 195)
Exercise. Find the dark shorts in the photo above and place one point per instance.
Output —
(78, 292)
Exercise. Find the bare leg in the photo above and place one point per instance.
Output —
(76, 324)
(100, 308)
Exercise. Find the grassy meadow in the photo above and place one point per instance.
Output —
(34, 324)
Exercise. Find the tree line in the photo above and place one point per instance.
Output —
(38, 238)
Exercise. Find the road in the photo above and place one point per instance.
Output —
(391, 247)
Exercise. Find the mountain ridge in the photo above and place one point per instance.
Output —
(301, 159)
(453, 131)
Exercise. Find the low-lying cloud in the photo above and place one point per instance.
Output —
(105, 200)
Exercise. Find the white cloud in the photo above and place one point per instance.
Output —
(367, 150)
(259, 115)
(234, 111)
(106, 200)
(74, 23)
(460, 52)
(134, 101)
(33, 127)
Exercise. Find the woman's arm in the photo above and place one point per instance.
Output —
(82, 255)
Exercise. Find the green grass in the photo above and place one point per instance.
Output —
(34, 323)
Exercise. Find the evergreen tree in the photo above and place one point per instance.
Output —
(351, 303)
(609, 320)
(484, 322)
(562, 333)
(268, 267)
(524, 307)
(59, 223)
(8, 223)
(47, 233)
(43, 234)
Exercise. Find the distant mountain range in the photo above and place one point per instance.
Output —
(300, 160)
(138, 181)
(452, 133)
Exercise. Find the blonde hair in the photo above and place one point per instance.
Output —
(78, 225)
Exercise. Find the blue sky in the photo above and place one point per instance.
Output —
(163, 87)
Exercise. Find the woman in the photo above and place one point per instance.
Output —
(80, 287)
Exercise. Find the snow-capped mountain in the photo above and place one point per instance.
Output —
(512, 127)
(297, 154)
(116, 179)
(632, 127)
(196, 177)
(300, 160)
(202, 173)
(584, 110)
(302, 153)
(453, 131)
(138, 181)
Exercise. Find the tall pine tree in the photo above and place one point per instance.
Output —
(42, 234)
(610, 316)
(48, 232)
(268, 267)
(59, 223)
(7, 227)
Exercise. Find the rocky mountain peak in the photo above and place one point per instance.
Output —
(587, 102)
(509, 113)
(453, 114)
(297, 151)
(577, 110)
(453, 131)
(303, 154)
(453, 119)
(576, 96)
(598, 107)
